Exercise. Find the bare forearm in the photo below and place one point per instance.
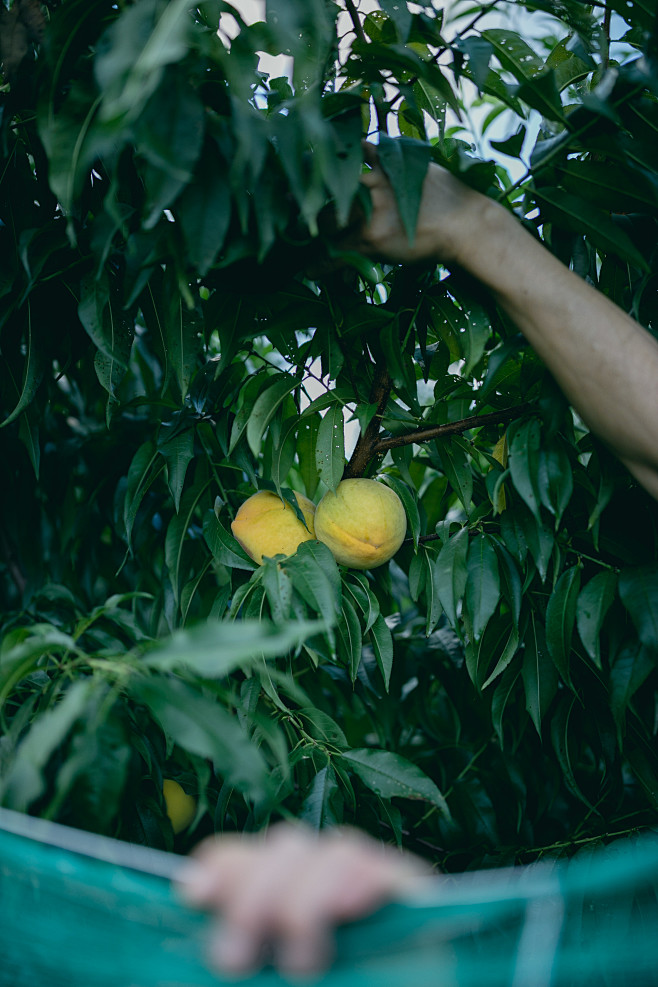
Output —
(606, 364)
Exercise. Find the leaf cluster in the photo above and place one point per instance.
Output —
(179, 328)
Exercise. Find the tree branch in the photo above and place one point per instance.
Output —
(380, 106)
(450, 428)
(356, 23)
(365, 446)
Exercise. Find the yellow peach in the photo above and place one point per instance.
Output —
(265, 525)
(363, 523)
(181, 807)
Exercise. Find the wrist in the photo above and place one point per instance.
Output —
(482, 242)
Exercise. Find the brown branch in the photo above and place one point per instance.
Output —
(380, 106)
(450, 428)
(354, 16)
(607, 21)
(365, 446)
(423, 538)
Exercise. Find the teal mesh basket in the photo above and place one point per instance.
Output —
(78, 910)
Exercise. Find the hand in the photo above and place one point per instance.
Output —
(449, 218)
(285, 891)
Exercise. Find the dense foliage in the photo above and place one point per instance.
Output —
(179, 327)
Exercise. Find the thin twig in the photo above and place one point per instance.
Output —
(430, 432)
(380, 106)
(354, 16)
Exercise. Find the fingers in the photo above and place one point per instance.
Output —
(261, 887)
(280, 896)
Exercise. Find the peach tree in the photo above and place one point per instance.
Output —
(180, 328)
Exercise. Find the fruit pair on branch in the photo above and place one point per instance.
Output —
(363, 523)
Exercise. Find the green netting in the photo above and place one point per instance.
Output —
(83, 911)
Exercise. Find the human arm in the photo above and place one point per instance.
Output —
(604, 361)
(284, 891)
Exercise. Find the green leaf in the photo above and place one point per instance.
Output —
(307, 437)
(278, 589)
(560, 729)
(215, 649)
(474, 328)
(479, 51)
(107, 327)
(145, 467)
(501, 698)
(73, 140)
(389, 775)
(432, 594)
(456, 468)
(356, 583)
(25, 781)
(524, 455)
(134, 51)
(417, 574)
(169, 137)
(266, 406)
(400, 14)
(204, 210)
(178, 452)
(513, 53)
(224, 547)
(408, 502)
(560, 619)
(578, 216)
(178, 535)
(349, 637)
(610, 186)
(322, 727)
(539, 672)
(568, 66)
(555, 479)
(538, 537)
(510, 581)
(482, 590)
(405, 162)
(638, 589)
(91, 781)
(316, 578)
(318, 809)
(451, 574)
(182, 339)
(32, 374)
(283, 455)
(28, 433)
(541, 93)
(509, 650)
(512, 529)
(201, 726)
(19, 660)
(330, 447)
(593, 604)
(382, 642)
(630, 668)
(249, 396)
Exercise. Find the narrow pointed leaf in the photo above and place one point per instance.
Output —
(389, 775)
(330, 447)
